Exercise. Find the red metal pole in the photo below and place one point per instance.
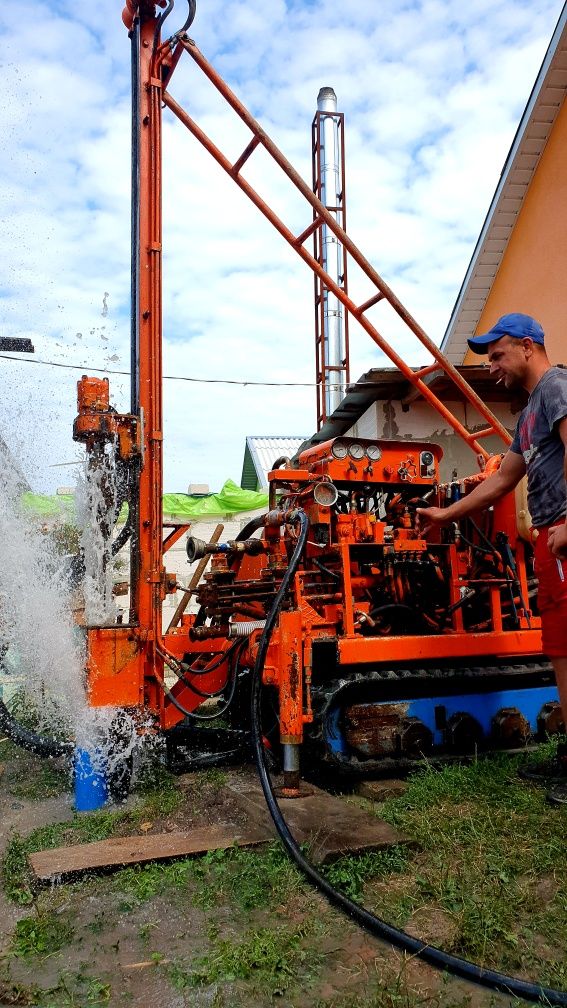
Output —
(149, 349)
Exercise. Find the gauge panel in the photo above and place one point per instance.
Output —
(356, 451)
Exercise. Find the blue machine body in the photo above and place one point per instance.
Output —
(482, 706)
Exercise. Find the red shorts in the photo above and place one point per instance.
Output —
(551, 597)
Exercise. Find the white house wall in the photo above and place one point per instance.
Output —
(175, 560)
(387, 420)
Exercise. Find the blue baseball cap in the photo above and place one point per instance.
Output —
(515, 324)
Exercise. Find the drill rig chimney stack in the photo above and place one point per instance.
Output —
(328, 178)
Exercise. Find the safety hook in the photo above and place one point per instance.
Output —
(189, 21)
(192, 4)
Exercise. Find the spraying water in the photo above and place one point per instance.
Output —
(97, 507)
(44, 652)
(44, 664)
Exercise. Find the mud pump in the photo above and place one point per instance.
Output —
(373, 643)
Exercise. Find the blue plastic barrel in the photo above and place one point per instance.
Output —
(91, 787)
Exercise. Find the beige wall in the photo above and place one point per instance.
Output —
(422, 423)
(532, 276)
(175, 560)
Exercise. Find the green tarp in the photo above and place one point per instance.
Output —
(232, 499)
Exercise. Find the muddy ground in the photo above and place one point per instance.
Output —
(239, 928)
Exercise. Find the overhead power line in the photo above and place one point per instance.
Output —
(185, 378)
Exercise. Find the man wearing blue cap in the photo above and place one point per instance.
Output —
(517, 357)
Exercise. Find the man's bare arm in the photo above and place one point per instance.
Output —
(486, 493)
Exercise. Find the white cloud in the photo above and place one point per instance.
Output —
(432, 93)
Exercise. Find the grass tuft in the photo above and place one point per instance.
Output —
(41, 935)
(351, 873)
(267, 959)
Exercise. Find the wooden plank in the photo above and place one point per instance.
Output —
(331, 826)
(65, 863)
(380, 790)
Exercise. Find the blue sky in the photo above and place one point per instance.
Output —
(432, 93)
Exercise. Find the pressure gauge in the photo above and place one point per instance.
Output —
(426, 458)
(356, 451)
(339, 450)
(325, 494)
(374, 452)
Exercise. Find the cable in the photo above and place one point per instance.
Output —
(214, 664)
(374, 925)
(191, 714)
(252, 526)
(198, 381)
(327, 570)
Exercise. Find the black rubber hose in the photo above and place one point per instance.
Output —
(252, 526)
(27, 739)
(121, 539)
(374, 925)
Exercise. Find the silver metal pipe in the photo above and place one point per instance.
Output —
(290, 758)
(331, 187)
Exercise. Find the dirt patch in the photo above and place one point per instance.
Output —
(232, 928)
(433, 925)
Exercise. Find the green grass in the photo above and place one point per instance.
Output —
(72, 990)
(488, 870)
(489, 838)
(41, 935)
(248, 879)
(266, 959)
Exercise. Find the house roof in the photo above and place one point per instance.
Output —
(259, 457)
(523, 158)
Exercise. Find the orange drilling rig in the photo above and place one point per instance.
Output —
(374, 643)
(387, 644)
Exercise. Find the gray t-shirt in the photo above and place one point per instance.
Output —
(537, 440)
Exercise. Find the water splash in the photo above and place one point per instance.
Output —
(97, 506)
(44, 666)
(45, 651)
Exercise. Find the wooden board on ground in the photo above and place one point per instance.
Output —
(331, 826)
(380, 790)
(65, 863)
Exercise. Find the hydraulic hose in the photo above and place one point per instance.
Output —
(436, 957)
(27, 739)
(252, 526)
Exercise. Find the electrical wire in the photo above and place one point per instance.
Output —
(436, 957)
(185, 378)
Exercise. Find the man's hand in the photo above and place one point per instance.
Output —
(427, 518)
(557, 540)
